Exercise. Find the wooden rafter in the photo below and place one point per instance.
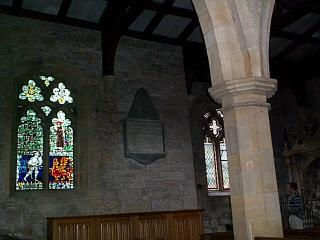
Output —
(157, 18)
(17, 4)
(48, 17)
(278, 23)
(189, 30)
(64, 8)
(307, 35)
(298, 37)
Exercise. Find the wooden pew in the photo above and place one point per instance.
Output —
(177, 225)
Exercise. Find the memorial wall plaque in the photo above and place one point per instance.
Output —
(143, 131)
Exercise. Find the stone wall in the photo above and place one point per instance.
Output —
(107, 181)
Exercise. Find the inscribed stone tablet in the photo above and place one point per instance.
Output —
(144, 137)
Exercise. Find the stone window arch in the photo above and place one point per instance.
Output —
(215, 151)
(44, 134)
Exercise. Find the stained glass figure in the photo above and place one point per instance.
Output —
(61, 153)
(47, 110)
(31, 92)
(61, 95)
(46, 80)
(29, 153)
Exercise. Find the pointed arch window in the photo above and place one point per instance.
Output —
(215, 152)
(45, 135)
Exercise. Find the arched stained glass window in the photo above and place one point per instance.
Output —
(45, 136)
(215, 151)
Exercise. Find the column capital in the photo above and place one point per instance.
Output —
(251, 85)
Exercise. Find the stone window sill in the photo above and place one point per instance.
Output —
(218, 194)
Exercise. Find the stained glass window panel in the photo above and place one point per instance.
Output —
(29, 153)
(210, 157)
(31, 92)
(61, 165)
(225, 174)
(61, 95)
(223, 151)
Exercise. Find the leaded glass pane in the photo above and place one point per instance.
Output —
(61, 95)
(211, 168)
(61, 153)
(31, 92)
(224, 164)
(225, 174)
(223, 151)
(29, 153)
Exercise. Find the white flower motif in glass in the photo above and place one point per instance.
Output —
(215, 128)
(46, 80)
(31, 92)
(61, 118)
(46, 110)
(61, 95)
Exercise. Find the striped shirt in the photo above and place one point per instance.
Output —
(295, 205)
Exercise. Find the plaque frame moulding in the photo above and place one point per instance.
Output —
(144, 139)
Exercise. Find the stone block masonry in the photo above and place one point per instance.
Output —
(107, 181)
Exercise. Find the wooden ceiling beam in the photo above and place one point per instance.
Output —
(157, 18)
(17, 4)
(64, 8)
(298, 37)
(307, 35)
(278, 23)
(48, 17)
(114, 23)
(189, 30)
(161, 39)
(170, 10)
(166, 9)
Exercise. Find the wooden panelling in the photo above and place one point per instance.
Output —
(114, 229)
(182, 225)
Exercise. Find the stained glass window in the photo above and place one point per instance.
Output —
(61, 153)
(215, 151)
(45, 143)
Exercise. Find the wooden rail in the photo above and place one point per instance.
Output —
(182, 225)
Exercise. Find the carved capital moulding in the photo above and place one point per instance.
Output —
(258, 85)
(143, 131)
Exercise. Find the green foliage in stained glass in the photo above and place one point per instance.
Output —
(61, 95)
(29, 153)
(31, 92)
(61, 153)
(46, 80)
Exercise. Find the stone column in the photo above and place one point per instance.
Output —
(254, 193)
